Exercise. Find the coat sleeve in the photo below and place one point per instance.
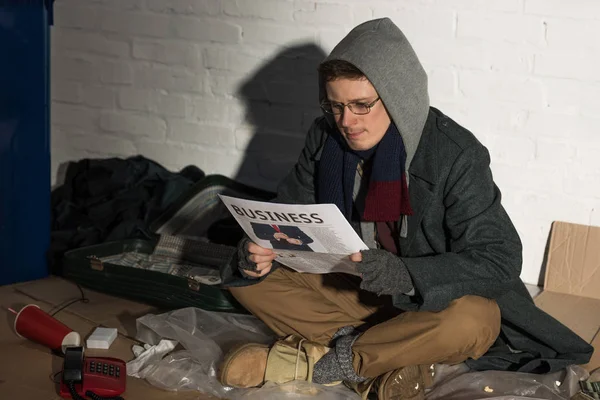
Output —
(484, 255)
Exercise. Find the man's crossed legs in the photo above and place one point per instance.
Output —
(364, 339)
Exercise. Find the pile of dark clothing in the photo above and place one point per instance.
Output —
(105, 200)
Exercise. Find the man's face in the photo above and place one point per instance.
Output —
(361, 132)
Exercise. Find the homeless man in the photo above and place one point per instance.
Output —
(440, 282)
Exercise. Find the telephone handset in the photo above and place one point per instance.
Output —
(99, 378)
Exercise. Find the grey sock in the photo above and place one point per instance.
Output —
(328, 369)
(343, 331)
(343, 349)
(336, 365)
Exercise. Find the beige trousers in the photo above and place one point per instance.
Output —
(316, 306)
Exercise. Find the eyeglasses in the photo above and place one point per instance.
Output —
(357, 108)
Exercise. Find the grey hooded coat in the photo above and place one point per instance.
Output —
(459, 240)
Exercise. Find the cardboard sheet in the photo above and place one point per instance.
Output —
(581, 314)
(571, 291)
(28, 369)
(595, 361)
(574, 260)
(101, 309)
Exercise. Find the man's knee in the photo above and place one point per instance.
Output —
(473, 323)
(249, 296)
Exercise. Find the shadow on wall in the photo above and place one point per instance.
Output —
(282, 100)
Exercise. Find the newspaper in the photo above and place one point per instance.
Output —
(311, 238)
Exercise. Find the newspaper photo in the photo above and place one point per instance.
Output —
(310, 238)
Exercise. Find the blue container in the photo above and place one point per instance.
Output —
(24, 140)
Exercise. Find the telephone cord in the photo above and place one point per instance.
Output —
(89, 394)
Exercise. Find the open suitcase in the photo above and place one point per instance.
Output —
(180, 266)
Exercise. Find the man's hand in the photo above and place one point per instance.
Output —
(263, 258)
(356, 257)
(280, 235)
(382, 272)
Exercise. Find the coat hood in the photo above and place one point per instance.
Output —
(381, 51)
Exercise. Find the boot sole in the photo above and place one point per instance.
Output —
(406, 394)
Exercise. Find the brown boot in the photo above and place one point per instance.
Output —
(244, 366)
(406, 383)
(252, 364)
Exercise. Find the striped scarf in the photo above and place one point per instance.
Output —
(387, 197)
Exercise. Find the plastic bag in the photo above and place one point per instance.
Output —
(458, 383)
(205, 336)
(299, 390)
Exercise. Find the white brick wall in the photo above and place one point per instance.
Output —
(230, 85)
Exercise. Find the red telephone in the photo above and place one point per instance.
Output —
(95, 377)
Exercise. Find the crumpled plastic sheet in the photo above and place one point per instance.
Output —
(201, 338)
(459, 383)
(298, 390)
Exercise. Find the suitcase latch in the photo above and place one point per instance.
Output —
(96, 263)
(194, 285)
